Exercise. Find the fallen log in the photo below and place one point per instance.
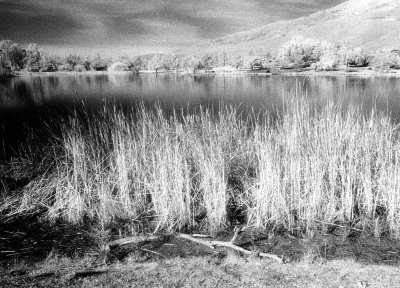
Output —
(230, 244)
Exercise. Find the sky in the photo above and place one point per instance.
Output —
(136, 27)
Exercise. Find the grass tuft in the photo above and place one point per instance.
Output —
(207, 170)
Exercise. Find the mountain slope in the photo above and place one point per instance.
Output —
(372, 24)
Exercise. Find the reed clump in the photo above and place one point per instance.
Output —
(208, 170)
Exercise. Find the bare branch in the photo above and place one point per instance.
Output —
(236, 232)
(200, 241)
(201, 236)
(132, 240)
(212, 244)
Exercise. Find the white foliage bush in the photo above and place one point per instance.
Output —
(301, 51)
(118, 66)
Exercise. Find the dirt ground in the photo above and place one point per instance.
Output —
(230, 270)
(342, 258)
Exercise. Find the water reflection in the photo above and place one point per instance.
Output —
(173, 90)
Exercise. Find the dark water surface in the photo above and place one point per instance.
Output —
(27, 101)
(35, 93)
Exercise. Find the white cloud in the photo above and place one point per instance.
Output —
(156, 23)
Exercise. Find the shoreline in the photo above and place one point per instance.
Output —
(357, 73)
(360, 73)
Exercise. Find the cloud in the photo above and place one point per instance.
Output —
(124, 23)
(27, 22)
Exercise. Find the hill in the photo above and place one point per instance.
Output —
(371, 24)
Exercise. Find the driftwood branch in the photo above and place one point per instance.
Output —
(201, 236)
(132, 240)
(211, 244)
(230, 244)
(236, 232)
(196, 240)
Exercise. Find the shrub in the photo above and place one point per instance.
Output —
(73, 60)
(301, 51)
(118, 66)
(11, 55)
(356, 57)
(155, 63)
(79, 68)
(32, 59)
(386, 61)
(327, 62)
(65, 67)
(136, 64)
(49, 64)
(98, 64)
(250, 62)
(47, 69)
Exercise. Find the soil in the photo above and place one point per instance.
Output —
(61, 255)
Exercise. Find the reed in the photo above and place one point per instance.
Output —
(207, 170)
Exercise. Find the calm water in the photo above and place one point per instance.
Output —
(28, 100)
(31, 94)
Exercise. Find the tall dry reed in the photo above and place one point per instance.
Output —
(202, 170)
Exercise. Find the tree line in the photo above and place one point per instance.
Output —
(300, 52)
(303, 52)
(31, 59)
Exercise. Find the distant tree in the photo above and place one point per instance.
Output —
(49, 63)
(221, 59)
(98, 64)
(251, 62)
(11, 54)
(118, 67)
(328, 61)
(80, 68)
(248, 62)
(144, 61)
(356, 57)
(17, 57)
(33, 59)
(135, 64)
(2, 60)
(386, 60)
(65, 68)
(195, 64)
(167, 61)
(342, 52)
(123, 59)
(208, 61)
(183, 63)
(330, 57)
(5, 47)
(155, 63)
(265, 62)
(175, 62)
(86, 63)
(73, 60)
(235, 60)
(300, 51)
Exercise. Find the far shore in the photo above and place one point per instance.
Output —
(359, 72)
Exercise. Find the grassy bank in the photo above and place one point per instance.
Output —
(206, 171)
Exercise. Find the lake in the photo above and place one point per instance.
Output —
(31, 94)
(26, 101)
